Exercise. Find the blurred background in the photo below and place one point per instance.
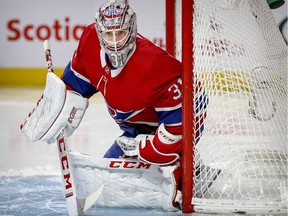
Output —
(25, 24)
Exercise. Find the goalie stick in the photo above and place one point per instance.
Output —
(75, 206)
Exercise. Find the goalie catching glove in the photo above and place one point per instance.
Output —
(56, 109)
(159, 149)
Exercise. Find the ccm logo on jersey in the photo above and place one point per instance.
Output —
(72, 114)
(121, 164)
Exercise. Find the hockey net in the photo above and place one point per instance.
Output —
(240, 58)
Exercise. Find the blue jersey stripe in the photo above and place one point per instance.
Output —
(83, 87)
(170, 117)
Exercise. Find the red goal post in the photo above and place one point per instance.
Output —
(187, 67)
(240, 58)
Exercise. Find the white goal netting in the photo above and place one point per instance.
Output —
(240, 59)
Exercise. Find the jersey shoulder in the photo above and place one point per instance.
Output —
(147, 47)
(155, 58)
(88, 37)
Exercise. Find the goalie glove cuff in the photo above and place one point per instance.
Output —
(161, 149)
(165, 137)
(150, 154)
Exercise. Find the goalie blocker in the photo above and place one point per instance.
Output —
(55, 110)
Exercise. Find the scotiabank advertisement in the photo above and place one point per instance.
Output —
(25, 24)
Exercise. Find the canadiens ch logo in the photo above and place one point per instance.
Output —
(119, 116)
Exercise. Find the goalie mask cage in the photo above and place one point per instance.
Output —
(240, 58)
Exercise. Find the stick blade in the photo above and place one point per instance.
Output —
(90, 200)
(79, 206)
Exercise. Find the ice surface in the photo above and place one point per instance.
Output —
(42, 195)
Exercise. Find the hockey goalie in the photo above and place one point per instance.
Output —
(141, 84)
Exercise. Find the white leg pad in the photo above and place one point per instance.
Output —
(127, 183)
